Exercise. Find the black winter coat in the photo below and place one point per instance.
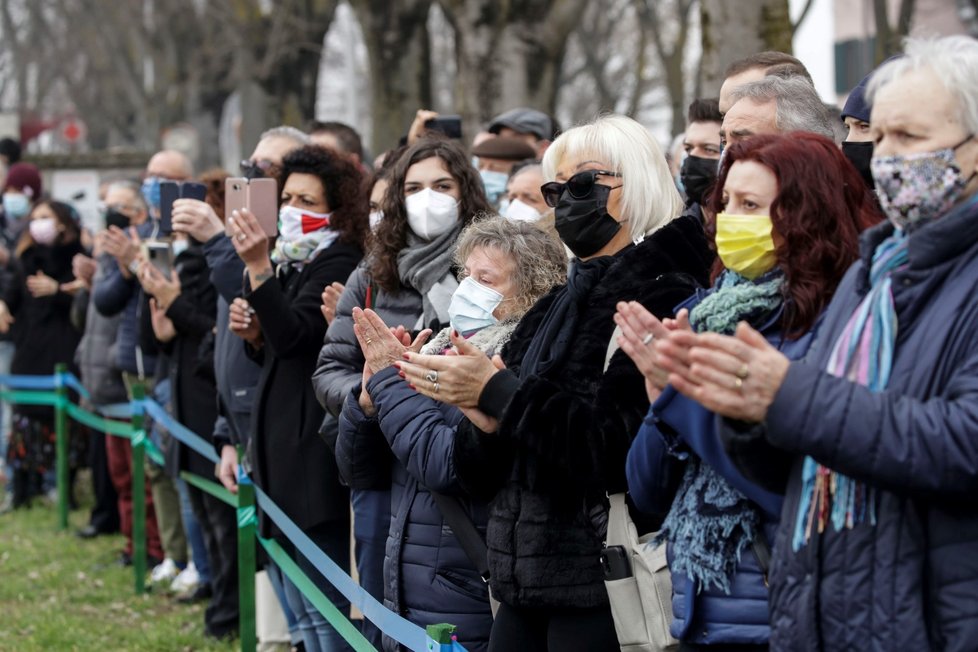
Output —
(43, 332)
(563, 437)
(911, 581)
(190, 369)
(289, 460)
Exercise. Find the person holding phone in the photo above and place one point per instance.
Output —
(433, 192)
(323, 219)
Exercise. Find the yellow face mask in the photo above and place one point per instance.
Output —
(745, 244)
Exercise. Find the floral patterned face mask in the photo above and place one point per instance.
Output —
(917, 187)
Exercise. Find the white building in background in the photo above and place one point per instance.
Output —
(854, 32)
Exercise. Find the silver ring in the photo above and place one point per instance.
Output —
(431, 376)
(435, 387)
(647, 339)
(241, 237)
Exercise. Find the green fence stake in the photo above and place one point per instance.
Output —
(247, 522)
(138, 489)
(61, 445)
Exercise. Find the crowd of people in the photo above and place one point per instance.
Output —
(452, 358)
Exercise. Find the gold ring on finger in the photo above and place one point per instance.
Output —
(743, 372)
(435, 387)
(738, 383)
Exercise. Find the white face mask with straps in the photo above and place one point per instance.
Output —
(431, 213)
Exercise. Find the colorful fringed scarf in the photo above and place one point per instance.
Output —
(863, 354)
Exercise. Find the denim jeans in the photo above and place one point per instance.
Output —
(6, 412)
(198, 549)
(319, 636)
(371, 523)
(277, 580)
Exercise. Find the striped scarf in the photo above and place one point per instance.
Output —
(863, 354)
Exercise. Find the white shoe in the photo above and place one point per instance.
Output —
(165, 572)
(186, 580)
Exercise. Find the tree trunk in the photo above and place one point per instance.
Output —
(509, 54)
(733, 29)
(889, 38)
(398, 51)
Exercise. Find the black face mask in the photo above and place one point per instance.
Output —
(115, 218)
(584, 224)
(698, 175)
(860, 154)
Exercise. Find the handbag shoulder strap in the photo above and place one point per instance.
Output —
(465, 531)
(621, 532)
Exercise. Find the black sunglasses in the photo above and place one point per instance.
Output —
(579, 186)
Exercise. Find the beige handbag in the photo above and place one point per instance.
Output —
(641, 604)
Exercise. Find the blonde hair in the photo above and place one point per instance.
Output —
(649, 196)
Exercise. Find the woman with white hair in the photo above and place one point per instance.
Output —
(874, 436)
(550, 421)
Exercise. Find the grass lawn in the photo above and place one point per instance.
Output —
(58, 592)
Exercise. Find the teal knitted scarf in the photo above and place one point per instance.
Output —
(710, 522)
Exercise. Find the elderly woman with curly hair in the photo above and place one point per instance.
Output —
(505, 268)
(322, 220)
(433, 192)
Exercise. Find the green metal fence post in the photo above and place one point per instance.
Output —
(61, 443)
(247, 522)
(138, 488)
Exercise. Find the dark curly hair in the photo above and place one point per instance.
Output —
(821, 207)
(391, 235)
(342, 184)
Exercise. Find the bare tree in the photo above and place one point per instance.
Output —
(400, 75)
(671, 53)
(509, 53)
(733, 29)
(888, 37)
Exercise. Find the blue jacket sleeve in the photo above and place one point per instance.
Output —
(421, 432)
(687, 424)
(112, 293)
(903, 444)
(650, 469)
(227, 269)
(362, 454)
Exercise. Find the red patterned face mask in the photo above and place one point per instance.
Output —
(301, 233)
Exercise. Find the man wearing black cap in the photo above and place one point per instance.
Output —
(536, 128)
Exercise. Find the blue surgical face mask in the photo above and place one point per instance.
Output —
(179, 246)
(495, 184)
(16, 205)
(151, 193)
(471, 307)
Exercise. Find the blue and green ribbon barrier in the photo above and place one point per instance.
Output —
(128, 420)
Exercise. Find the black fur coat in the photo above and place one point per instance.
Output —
(563, 437)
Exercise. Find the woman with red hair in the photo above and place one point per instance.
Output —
(786, 225)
